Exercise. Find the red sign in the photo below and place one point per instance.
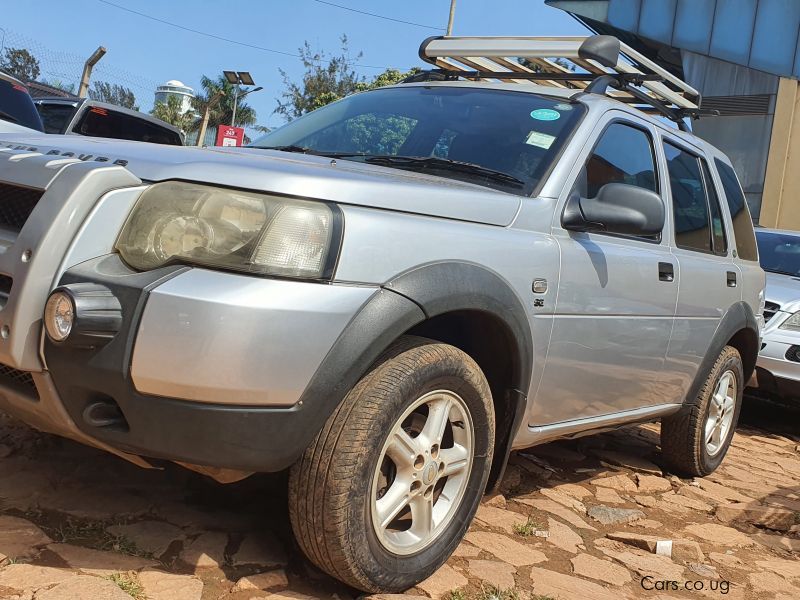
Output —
(228, 135)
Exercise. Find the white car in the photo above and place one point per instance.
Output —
(778, 367)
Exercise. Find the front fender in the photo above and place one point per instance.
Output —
(444, 287)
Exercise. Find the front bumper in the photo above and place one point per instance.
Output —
(208, 368)
(778, 375)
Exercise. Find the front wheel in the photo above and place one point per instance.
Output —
(695, 440)
(387, 490)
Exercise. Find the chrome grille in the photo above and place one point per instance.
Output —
(770, 308)
(16, 205)
(17, 379)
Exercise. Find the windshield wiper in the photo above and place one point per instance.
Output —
(307, 150)
(443, 164)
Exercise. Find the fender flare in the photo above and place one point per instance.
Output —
(739, 317)
(448, 286)
(407, 300)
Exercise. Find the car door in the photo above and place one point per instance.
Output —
(708, 278)
(616, 296)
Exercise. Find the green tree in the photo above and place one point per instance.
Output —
(20, 63)
(388, 77)
(113, 94)
(326, 80)
(222, 112)
(172, 112)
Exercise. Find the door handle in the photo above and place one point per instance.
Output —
(731, 279)
(666, 271)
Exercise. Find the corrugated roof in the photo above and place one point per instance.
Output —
(760, 34)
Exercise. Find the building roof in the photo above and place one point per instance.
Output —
(760, 34)
(42, 90)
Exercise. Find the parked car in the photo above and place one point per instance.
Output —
(778, 367)
(92, 118)
(389, 294)
(17, 112)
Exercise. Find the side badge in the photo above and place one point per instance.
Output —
(538, 302)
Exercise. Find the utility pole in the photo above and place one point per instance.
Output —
(452, 16)
(235, 102)
(212, 102)
(83, 89)
(236, 97)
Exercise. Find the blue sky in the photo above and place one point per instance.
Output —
(146, 52)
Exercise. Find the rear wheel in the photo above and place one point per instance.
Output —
(695, 440)
(389, 487)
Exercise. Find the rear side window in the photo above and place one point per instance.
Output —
(624, 154)
(689, 205)
(740, 214)
(102, 122)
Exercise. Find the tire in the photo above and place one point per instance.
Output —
(335, 486)
(684, 435)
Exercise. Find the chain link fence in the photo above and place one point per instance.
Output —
(64, 69)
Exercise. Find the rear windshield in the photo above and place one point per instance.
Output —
(779, 252)
(518, 134)
(16, 106)
(55, 116)
(107, 123)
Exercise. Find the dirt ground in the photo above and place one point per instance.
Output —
(594, 518)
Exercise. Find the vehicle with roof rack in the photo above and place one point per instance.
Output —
(389, 294)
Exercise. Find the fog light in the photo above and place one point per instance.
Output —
(59, 316)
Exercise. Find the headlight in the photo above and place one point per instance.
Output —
(792, 323)
(229, 229)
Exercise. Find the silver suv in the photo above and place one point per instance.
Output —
(390, 294)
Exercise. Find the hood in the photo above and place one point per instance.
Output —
(9, 127)
(342, 181)
(783, 290)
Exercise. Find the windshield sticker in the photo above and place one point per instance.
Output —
(545, 114)
(540, 140)
(563, 107)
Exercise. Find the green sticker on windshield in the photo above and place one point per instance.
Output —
(545, 114)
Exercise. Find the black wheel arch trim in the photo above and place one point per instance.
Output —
(449, 286)
(737, 319)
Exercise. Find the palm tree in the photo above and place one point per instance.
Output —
(172, 112)
(222, 112)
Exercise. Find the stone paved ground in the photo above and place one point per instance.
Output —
(592, 519)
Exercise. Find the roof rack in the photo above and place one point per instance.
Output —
(599, 62)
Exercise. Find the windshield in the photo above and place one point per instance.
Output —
(56, 116)
(779, 252)
(512, 137)
(16, 106)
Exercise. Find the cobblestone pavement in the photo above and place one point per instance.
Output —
(593, 519)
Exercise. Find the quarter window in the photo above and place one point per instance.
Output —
(624, 154)
(689, 204)
(717, 224)
(740, 215)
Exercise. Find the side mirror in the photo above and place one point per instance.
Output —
(603, 49)
(618, 208)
